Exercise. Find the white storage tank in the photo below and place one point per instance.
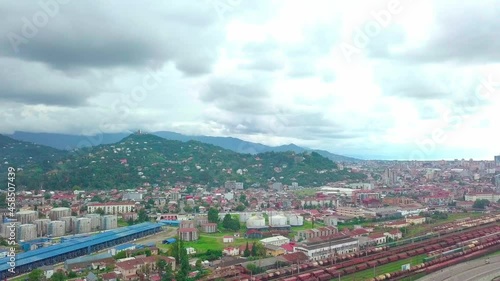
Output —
(42, 226)
(68, 222)
(56, 228)
(277, 220)
(57, 213)
(295, 220)
(82, 225)
(26, 217)
(95, 221)
(244, 216)
(26, 232)
(256, 222)
(7, 231)
(109, 222)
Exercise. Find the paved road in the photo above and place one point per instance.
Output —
(476, 270)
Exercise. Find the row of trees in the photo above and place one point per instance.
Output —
(178, 251)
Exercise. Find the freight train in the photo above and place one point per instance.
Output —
(354, 262)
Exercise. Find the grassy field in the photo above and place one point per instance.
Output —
(386, 268)
(122, 223)
(305, 192)
(212, 242)
(456, 216)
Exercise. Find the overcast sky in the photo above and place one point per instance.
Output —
(374, 79)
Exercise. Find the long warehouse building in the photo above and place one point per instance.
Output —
(27, 261)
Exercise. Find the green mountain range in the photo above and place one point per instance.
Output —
(148, 159)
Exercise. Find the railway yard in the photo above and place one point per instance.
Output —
(447, 245)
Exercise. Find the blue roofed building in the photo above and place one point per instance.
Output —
(27, 261)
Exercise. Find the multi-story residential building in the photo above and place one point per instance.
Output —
(112, 208)
(188, 234)
(350, 212)
(492, 197)
(175, 196)
(209, 227)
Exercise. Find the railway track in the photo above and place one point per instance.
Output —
(328, 269)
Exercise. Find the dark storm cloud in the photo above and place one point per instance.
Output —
(87, 34)
(43, 97)
(30, 83)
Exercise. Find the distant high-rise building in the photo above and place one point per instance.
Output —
(389, 177)
(497, 160)
(175, 196)
(497, 181)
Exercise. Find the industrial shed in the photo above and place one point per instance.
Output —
(26, 262)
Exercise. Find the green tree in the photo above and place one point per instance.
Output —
(188, 209)
(227, 221)
(161, 264)
(481, 203)
(36, 275)
(254, 249)
(58, 276)
(246, 253)
(120, 255)
(100, 211)
(261, 250)
(243, 197)
(240, 208)
(168, 275)
(213, 215)
(254, 268)
(198, 265)
(97, 198)
(174, 251)
(142, 216)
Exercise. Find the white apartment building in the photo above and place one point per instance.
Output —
(112, 208)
